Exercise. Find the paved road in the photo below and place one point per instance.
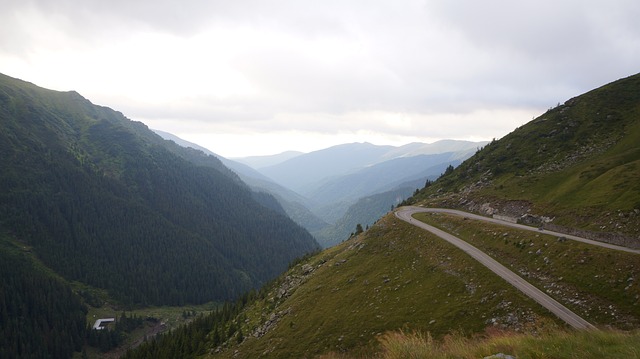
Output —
(522, 226)
(406, 213)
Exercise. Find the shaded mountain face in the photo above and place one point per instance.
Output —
(576, 167)
(105, 201)
(293, 204)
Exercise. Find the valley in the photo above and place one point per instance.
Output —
(533, 236)
(330, 191)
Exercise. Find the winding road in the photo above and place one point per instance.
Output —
(571, 318)
(522, 226)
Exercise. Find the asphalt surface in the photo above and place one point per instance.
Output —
(526, 228)
(562, 312)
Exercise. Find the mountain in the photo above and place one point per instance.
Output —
(577, 162)
(269, 160)
(102, 200)
(301, 172)
(307, 172)
(295, 205)
(382, 176)
(395, 171)
(329, 181)
(183, 143)
(575, 168)
(442, 146)
(386, 172)
(364, 196)
(365, 211)
(242, 170)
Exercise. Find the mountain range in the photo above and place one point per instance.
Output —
(321, 190)
(395, 290)
(100, 214)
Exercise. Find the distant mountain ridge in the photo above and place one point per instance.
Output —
(334, 179)
(382, 176)
(258, 162)
(305, 172)
(354, 174)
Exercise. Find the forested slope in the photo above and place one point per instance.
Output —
(40, 317)
(103, 200)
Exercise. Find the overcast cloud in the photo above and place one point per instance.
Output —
(259, 77)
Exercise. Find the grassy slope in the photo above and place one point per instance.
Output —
(397, 279)
(393, 277)
(554, 344)
(599, 284)
(579, 163)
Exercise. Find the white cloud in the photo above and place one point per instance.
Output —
(298, 74)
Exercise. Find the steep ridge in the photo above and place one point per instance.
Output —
(576, 168)
(105, 201)
(295, 205)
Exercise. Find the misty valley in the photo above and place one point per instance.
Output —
(120, 241)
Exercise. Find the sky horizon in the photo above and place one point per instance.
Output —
(253, 77)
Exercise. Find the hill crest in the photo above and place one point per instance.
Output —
(576, 167)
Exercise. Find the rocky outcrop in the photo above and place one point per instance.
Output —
(284, 290)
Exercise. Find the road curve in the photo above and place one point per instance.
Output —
(562, 312)
(456, 212)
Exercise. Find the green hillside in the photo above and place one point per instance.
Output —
(577, 164)
(104, 201)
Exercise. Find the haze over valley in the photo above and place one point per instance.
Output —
(299, 179)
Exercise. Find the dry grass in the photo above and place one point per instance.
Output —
(559, 344)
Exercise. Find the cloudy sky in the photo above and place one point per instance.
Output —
(248, 77)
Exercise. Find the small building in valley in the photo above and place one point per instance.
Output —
(102, 323)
